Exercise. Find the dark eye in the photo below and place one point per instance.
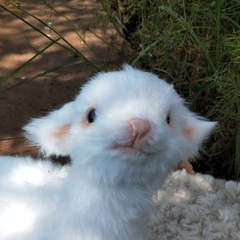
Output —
(91, 117)
(168, 119)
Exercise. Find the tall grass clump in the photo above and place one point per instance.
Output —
(196, 45)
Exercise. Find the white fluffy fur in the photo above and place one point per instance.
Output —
(106, 193)
(194, 207)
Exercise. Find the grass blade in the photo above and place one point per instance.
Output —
(54, 69)
(72, 49)
(237, 156)
(4, 80)
(32, 26)
(145, 50)
(188, 27)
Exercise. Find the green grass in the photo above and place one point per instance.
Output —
(195, 45)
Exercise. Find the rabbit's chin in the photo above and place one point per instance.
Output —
(131, 155)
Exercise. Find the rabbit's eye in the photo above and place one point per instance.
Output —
(168, 119)
(91, 117)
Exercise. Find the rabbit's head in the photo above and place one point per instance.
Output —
(127, 117)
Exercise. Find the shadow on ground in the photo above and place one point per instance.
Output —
(79, 22)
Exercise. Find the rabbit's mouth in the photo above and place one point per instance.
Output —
(132, 150)
(127, 149)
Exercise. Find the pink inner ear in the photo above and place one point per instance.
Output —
(189, 132)
(62, 131)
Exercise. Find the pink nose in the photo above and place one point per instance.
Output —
(139, 130)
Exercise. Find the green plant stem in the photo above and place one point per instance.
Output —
(145, 50)
(56, 68)
(4, 80)
(218, 28)
(188, 27)
(237, 156)
(32, 26)
(57, 12)
(74, 50)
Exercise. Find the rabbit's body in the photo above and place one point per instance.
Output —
(37, 194)
(99, 212)
(124, 132)
(29, 191)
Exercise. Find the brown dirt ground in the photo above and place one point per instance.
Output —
(19, 42)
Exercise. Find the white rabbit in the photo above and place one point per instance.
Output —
(124, 133)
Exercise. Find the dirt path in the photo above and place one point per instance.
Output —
(19, 42)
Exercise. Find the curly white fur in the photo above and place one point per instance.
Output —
(124, 132)
(194, 207)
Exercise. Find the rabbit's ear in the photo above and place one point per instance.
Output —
(196, 131)
(51, 133)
